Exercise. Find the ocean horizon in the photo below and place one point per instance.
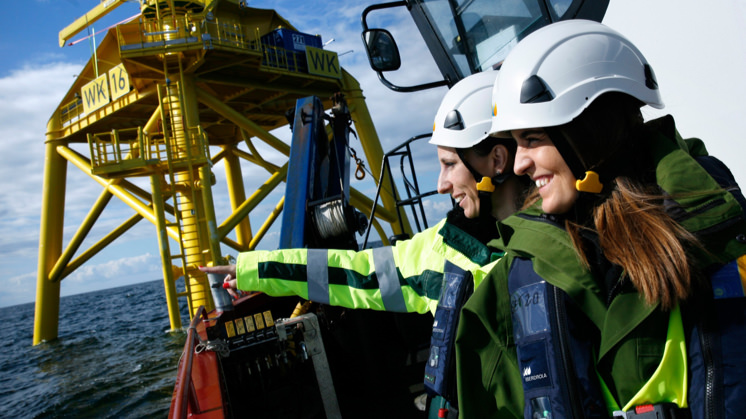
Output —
(115, 357)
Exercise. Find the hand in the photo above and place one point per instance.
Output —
(229, 283)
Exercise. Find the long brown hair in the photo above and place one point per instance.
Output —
(637, 234)
(634, 230)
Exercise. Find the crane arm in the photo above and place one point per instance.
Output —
(87, 19)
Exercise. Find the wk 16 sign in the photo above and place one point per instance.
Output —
(105, 88)
(323, 63)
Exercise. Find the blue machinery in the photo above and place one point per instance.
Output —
(317, 210)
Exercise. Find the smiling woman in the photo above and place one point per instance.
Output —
(538, 158)
(611, 268)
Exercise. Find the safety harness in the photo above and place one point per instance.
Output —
(458, 285)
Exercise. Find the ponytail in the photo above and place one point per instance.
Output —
(637, 234)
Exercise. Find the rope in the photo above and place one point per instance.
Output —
(330, 219)
(219, 346)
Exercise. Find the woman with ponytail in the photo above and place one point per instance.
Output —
(620, 292)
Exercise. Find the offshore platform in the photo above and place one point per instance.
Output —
(167, 96)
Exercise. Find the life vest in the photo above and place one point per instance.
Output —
(440, 370)
(555, 354)
(714, 323)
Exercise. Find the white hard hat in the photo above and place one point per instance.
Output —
(465, 114)
(554, 73)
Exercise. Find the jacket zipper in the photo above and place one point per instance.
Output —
(705, 341)
(567, 364)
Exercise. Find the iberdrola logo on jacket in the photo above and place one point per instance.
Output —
(527, 376)
(535, 367)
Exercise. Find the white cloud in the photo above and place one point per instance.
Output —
(28, 96)
(119, 268)
(16, 290)
(437, 209)
(21, 288)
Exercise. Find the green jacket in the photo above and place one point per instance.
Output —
(632, 334)
(406, 277)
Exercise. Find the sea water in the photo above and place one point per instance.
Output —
(115, 357)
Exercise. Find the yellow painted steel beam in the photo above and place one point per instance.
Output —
(47, 309)
(99, 11)
(215, 158)
(100, 245)
(256, 159)
(200, 243)
(209, 211)
(189, 99)
(155, 117)
(233, 245)
(80, 235)
(125, 196)
(236, 194)
(253, 158)
(169, 282)
(371, 145)
(241, 121)
(362, 202)
(142, 194)
(267, 224)
(254, 200)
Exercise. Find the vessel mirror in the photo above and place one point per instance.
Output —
(383, 54)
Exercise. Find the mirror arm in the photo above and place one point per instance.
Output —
(408, 89)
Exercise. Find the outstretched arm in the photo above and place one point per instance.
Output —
(404, 277)
(229, 283)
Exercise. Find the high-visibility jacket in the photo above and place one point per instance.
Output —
(642, 354)
(405, 277)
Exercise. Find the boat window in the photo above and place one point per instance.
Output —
(559, 7)
(478, 34)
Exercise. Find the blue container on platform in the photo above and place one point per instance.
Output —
(286, 48)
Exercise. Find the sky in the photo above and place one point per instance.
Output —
(697, 50)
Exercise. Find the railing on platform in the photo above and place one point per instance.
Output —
(176, 31)
(130, 150)
(411, 186)
(71, 111)
(111, 150)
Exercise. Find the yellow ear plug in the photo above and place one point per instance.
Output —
(486, 185)
(589, 183)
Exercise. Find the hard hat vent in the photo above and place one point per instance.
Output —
(650, 81)
(534, 90)
(454, 121)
